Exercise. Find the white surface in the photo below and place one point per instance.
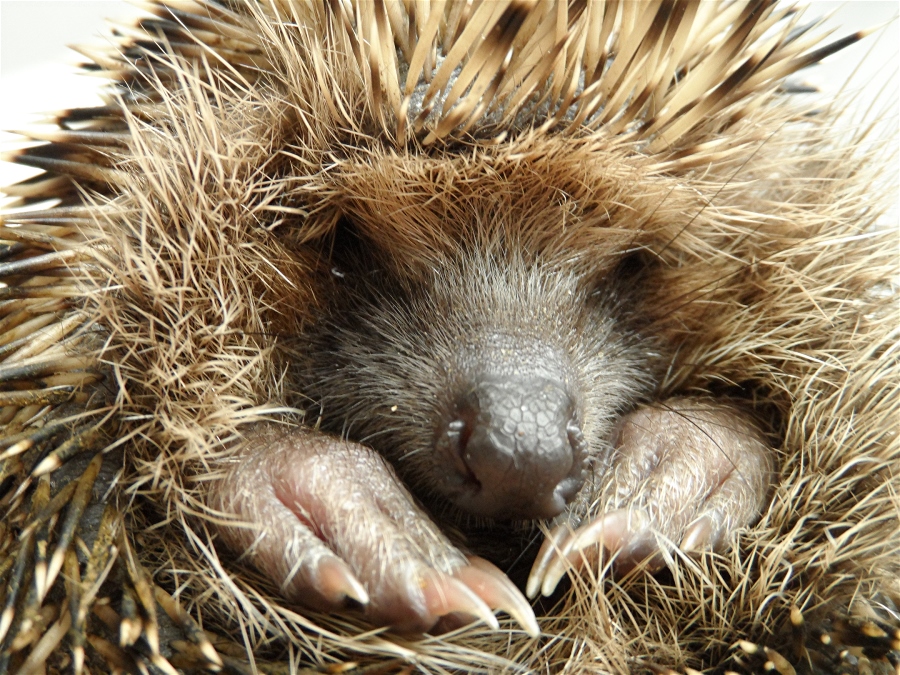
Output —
(37, 72)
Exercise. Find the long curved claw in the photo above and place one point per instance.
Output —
(447, 595)
(495, 588)
(610, 532)
(552, 543)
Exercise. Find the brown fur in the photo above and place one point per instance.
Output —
(226, 168)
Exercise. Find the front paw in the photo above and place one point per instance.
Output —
(685, 474)
(330, 522)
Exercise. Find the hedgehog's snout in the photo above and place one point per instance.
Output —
(515, 446)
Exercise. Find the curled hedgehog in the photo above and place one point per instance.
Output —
(351, 315)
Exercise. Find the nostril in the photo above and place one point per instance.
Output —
(454, 442)
(575, 436)
(457, 435)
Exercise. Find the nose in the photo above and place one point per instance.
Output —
(517, 448)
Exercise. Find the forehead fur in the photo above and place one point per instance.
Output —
(555, 200)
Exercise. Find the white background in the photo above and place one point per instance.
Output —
(37, 72)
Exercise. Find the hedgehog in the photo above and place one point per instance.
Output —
(500, 336)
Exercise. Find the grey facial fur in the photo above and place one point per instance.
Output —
(489, 382)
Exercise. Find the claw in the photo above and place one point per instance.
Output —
(337, 582)
(446, 595)
(698, 535)
(545, 556)
(610, 531)
(495, 588)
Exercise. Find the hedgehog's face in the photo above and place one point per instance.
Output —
(490, 381)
